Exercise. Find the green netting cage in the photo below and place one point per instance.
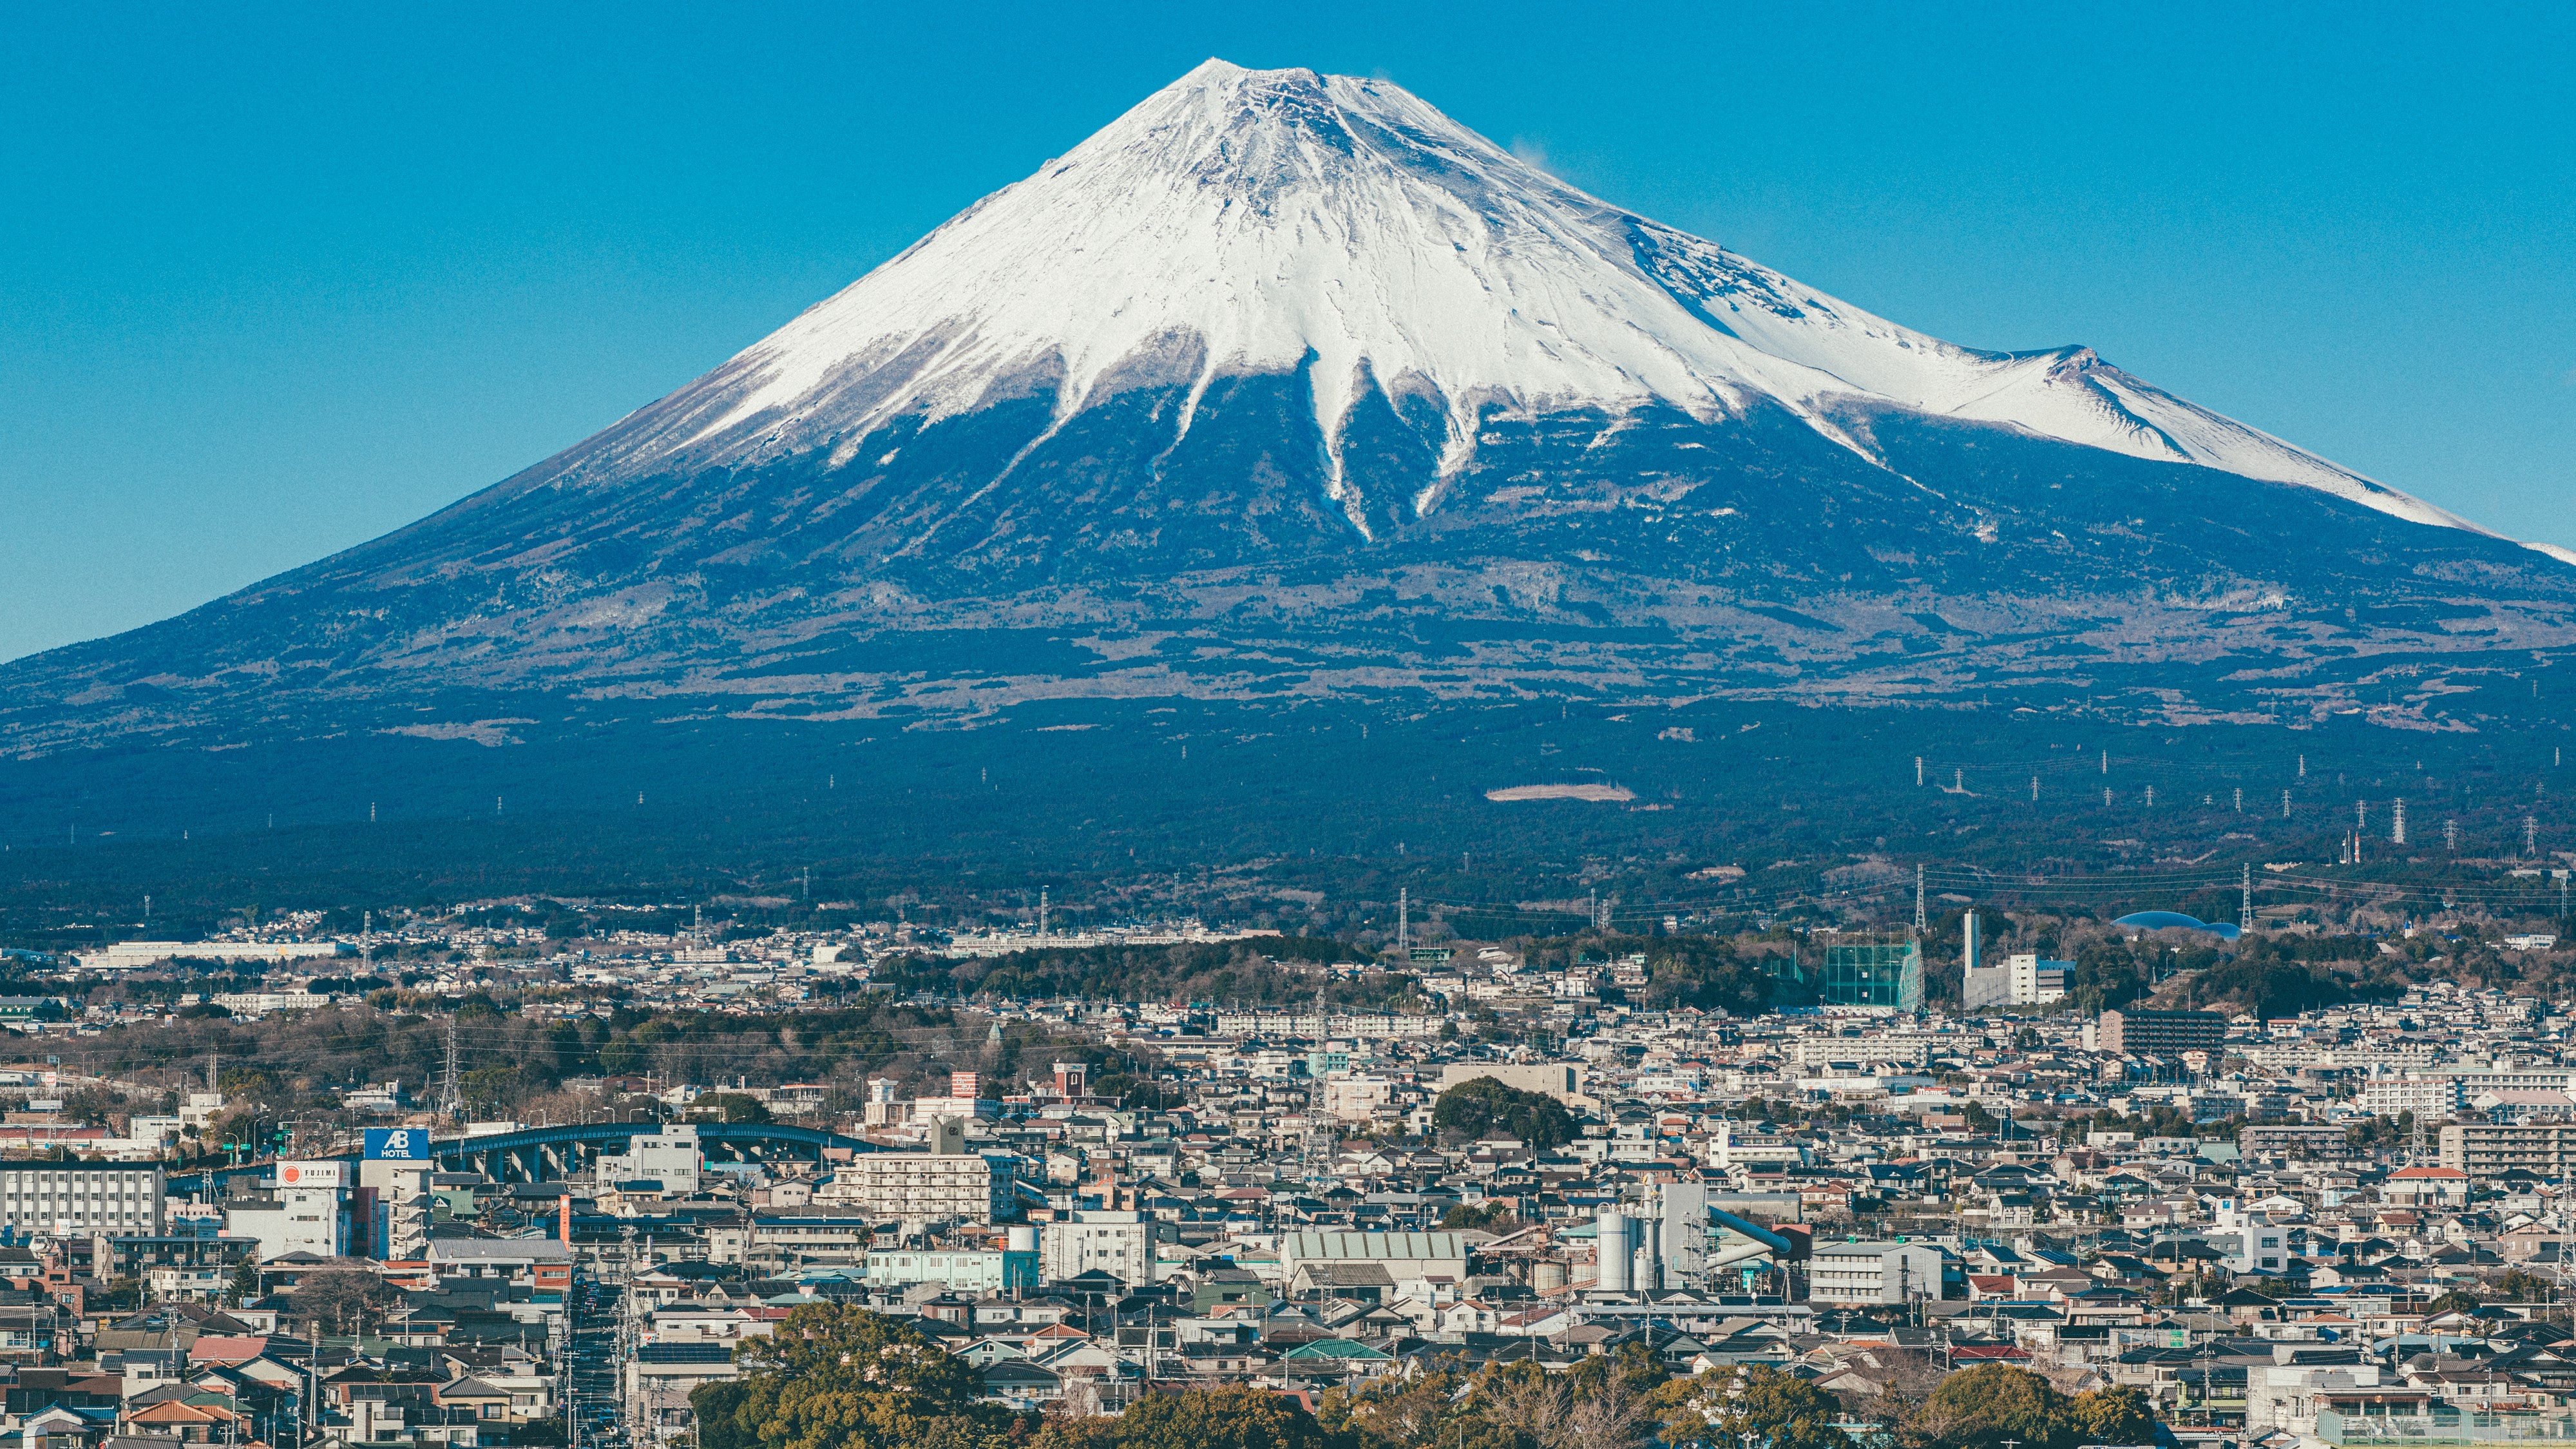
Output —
(1881, 975)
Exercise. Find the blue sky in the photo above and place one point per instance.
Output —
(273, 281)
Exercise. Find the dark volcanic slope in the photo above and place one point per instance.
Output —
(1674, 560)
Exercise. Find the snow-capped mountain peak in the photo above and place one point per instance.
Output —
(1262, 221)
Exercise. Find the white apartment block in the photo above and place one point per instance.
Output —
(83, 1197)
(960, 1187)
(1898, 1049)
(2435, 1098)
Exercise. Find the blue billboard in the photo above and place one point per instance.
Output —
(398, 1144)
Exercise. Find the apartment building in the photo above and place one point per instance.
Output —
(2161, 1033)
(112, 1198)
(2487, 1150)
(954, 1187)
(2433, 1098)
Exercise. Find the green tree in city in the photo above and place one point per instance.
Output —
(1484, 1105)
(834, 1376)
(1718, 1408)
(1238, 1416)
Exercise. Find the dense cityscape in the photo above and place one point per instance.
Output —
(1447, 1164)
(1184, 727)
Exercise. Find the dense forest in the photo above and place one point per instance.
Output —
(1725, 817)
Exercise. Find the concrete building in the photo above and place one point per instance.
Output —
(1012, 1266)
(670, 1157)
(135, 955)
(2037, 982)
(2486, 1151)
(67, 1197)
(1561, 1080)
(2250, 1241)
(1880, 1272)
(2434, 1098)
(2161, 1033)
(2305, 1141)
(305, 1210)
(951, 1187)
(1356, 1099)
(1120, 1244)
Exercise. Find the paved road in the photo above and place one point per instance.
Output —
(594, 1368)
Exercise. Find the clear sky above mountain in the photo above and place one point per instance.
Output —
(280, 284)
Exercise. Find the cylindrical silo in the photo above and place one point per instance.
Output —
(1612, 1247)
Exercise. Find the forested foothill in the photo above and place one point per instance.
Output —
(1726, 816)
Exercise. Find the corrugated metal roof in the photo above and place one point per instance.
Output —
(1400, 1246)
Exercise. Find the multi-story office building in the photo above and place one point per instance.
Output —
(2161, 1033)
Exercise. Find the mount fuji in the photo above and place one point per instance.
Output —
(1285, 387)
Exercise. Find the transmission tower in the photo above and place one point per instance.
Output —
(1918, 898)
(2245, 920)
(451, 1092)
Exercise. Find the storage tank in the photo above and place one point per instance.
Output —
(1612, 1249)
(1546, 1276)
